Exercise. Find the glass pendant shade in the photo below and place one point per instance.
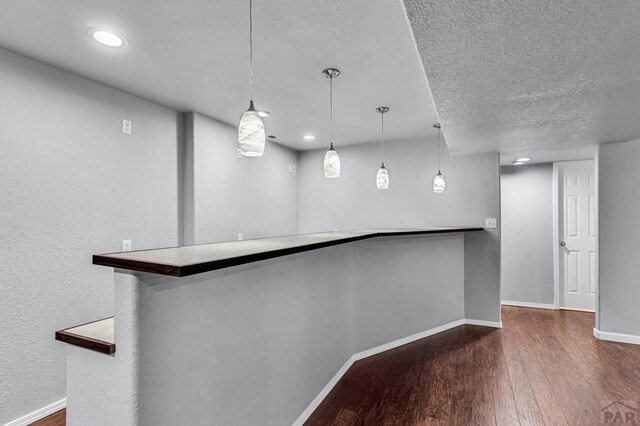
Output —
(382, 177)
(331, 163)
(251, 135)
(438, 183)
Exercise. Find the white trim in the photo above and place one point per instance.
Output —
(596, 177)
(483, 323)
(324, 392)
(367, 353)
(591, 311)
(556, 237)
(616, 337)
(529, 304)
(39, 414)
(409, 339)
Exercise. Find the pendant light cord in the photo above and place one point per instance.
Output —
(331, 107)
(382, 138)
(439, 144)
(251, 50)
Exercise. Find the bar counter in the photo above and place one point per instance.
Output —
(259, 331)
(196, 259)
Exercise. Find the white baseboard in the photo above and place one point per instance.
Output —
(529, 304)
(616, 337)
(39, 414)
(564, 308)
(324, 392)
(483, 323)
(379, 349)
(405, 340)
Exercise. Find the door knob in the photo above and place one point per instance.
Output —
(562, 243)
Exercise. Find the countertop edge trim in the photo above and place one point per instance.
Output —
(86, 342)
(137, 265)
(199, 268)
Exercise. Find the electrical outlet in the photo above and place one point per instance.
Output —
(126, 245)
(292, 168)
(491, 223)
(240, 237)
(126, 127)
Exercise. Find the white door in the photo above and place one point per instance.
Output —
(577, 228)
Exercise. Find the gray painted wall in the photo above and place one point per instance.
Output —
(292, 321)
(619, 268)
(72, 185)
(225, 195)
(482, 276)
(353, 202)
(527, 233)
(105, 388)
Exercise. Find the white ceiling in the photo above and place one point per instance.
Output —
(193, 55)
(543, 78)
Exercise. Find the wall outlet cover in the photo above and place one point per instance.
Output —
(126, 245)
(491, 223)
(126, 127)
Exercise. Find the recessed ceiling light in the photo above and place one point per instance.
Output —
(264, 114)
(523, 159)
(518, 163)
(309, 137)
(107, 38)
(277, 138)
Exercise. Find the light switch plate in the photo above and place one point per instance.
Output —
(491, 223)
(240, 236)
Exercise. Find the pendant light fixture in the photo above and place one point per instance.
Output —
(331, 159)
(251, 136)
(382, 177)
(438, 180)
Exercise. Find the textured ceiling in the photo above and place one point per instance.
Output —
(193, 55)
(536, 77)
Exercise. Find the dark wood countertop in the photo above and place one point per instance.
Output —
(196, 259)
(97, 336)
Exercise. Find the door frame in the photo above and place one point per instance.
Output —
(556, 229)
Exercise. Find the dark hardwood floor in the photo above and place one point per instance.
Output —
(58, 418)
(543, 367)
